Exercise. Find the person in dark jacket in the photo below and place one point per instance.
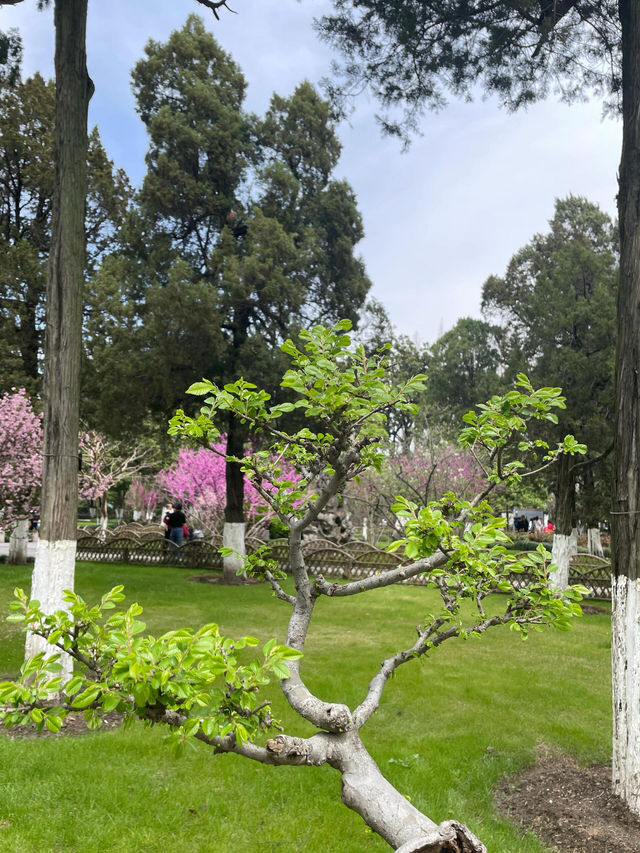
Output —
(175, 521)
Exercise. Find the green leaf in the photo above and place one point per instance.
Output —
(53, 722)
(201, 388)
(280, 670)
(110, 702)
(86, 698)
(73, 685)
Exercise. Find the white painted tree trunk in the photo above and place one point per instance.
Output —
(594, 542)
(560, 555)
(233, 534)
(18, 543)
(53, 573)
(104, 515)
(574, 541)
(625, 657)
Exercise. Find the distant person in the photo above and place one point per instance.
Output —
(165, 519)
(176, 520)
(548, 528)
(34, 528)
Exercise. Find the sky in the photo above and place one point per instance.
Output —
(473, 188)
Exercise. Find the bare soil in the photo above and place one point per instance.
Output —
(219, 579)
(569, 808)
(73, 724)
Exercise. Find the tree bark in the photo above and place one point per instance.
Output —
(625, 517)
(104, 515)
(55, 555)
(233, 534)
(563, 543)
(234, 479)
(365, 790)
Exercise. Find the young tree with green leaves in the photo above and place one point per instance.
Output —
(411, 54)
(193, 682)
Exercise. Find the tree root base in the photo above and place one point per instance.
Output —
(451, 837)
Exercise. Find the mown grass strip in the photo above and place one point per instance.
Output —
(448, 728)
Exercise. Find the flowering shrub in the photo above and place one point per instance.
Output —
(143, 498)
(425, 474)
(198, 479)
(20, 457)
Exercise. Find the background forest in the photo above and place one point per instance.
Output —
(240, 236)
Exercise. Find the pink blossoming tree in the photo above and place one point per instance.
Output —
(197, 478)
(426, 474)
(20, 468)
(143, 498)
(105, 463)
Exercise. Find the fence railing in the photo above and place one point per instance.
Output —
(349, 562)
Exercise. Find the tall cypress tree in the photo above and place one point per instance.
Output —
(246, 235)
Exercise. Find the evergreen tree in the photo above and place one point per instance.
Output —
(411, 53)
(27, 176)
(462, 368)
(557, 305)
(244, 234)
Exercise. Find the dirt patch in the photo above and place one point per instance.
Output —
(569, 808)
(73, 724)
(594, 610)
(219, 578)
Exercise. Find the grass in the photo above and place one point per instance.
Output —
(448, 728)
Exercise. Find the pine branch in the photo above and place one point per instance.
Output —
(214, 5)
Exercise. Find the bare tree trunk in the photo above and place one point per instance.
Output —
(365, 790)
(564, 544)
(625, 515)
(233, 533)
(55, 555)
(104, 515)
(18, 543)
(594, 542)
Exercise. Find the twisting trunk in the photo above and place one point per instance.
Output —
(55, 555)
(365, 790)
(626, 487)
(564, 544)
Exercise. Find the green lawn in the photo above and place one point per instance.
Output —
(448, 728)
